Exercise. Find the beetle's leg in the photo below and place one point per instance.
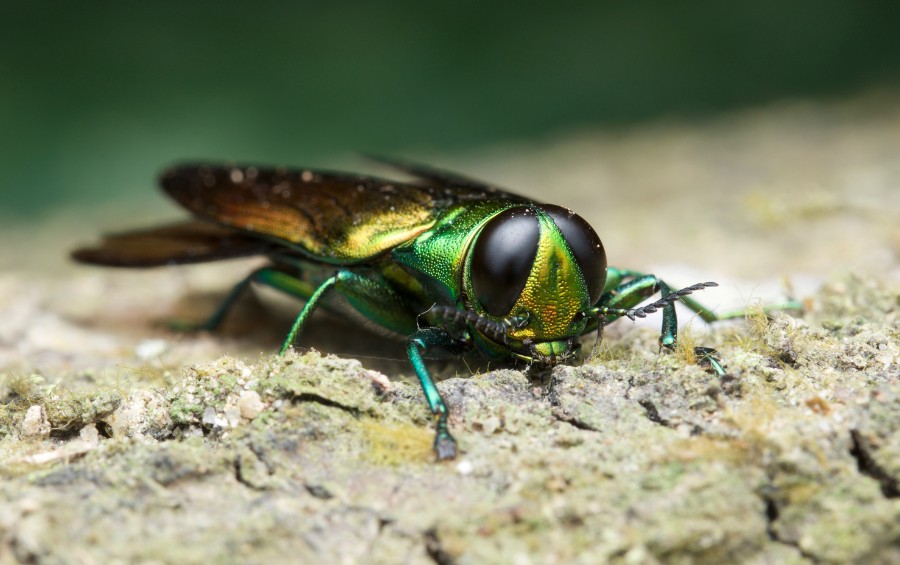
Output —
(421, 341)
(271, 275)
(624, 296)
(709, 316)
(374, 297)
(629, 294)
(709, 357)
(308, 309)
(668, 333)
(616, 286)
(620, 301)
(615, 276)
(378, 300)
(368, 292)
(619, 295)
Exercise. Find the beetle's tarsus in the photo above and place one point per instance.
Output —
(444, 446)
(708, 358)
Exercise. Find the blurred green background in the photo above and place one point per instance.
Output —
(96, 97)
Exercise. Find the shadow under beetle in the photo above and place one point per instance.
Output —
(449, 262)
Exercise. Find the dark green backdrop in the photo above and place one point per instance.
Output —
(96, 96)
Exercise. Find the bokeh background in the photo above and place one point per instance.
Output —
(96, 97)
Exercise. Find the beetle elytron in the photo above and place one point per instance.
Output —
(448, 262)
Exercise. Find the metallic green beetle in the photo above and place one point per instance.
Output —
(448, 262)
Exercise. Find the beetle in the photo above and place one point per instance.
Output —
(446, 261)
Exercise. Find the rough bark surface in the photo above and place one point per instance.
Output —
(121, 441)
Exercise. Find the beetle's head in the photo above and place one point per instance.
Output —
(532, 271)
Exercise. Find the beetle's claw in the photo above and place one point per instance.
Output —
(708, 358)
(444, 447)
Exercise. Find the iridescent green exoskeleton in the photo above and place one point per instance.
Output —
(447, 262)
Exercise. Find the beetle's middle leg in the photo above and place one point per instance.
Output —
(368, 292)
(276, 276)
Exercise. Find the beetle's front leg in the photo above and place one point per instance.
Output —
(420, 341)
(626, 295)
(621, 300)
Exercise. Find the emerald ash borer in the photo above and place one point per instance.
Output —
(446, 261)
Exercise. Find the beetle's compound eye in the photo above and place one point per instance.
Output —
(502, 258)
(585, 245)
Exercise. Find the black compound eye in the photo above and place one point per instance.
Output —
(502, 258)
(585, 245)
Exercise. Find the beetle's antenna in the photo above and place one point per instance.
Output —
(632, 313)
(493, 329)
